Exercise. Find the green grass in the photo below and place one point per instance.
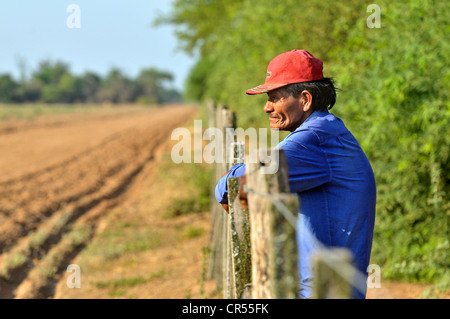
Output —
(122, 239)
(29, 111)
(48, 267)
(180, 207)
(122, 282)
(128, 282)
(32, 111)
(16, 259)
(197, 179)
(12, 262)
(192, 232)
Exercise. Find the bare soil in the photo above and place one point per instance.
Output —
(69, 171)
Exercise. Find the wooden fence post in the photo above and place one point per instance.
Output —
(219, 262)
(333, 271)
(283, 255)
(239, 232)
(228, 126)
(274, 255)
(240, 241)
(213, 271)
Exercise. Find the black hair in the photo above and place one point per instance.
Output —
(323, 92)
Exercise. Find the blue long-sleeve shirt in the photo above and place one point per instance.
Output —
(336, 187)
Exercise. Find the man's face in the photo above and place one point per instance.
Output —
(285, 112)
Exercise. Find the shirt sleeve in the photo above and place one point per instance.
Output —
(307, 163)
(221, 190)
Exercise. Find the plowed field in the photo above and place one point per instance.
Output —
(58, 175)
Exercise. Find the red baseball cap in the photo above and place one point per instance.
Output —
(290, 67)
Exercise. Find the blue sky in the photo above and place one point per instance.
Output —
(117, 33)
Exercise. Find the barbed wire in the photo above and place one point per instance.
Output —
(348, 272)
(287, 214)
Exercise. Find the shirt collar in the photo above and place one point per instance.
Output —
(316, 114)
(313, 115)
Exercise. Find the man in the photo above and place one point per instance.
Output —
(327, 168)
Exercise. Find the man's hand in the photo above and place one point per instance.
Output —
(242, 195)
(225, 206)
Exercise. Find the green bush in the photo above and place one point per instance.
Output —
(395, 99)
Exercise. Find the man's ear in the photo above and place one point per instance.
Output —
(306, 99)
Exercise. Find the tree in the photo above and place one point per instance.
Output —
(199, 21)
(395, 93)
(90, 84)
(151, 86)
(49, 72)
(56, 83)
(395, 82)
(8, 89)
(237, 39)
(52, 82)
(116, 88)
(197, 79)
(69, 88)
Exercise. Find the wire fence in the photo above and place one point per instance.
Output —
(254, 251)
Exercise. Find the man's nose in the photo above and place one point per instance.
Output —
(268, 107)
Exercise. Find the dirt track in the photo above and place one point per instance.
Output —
(59, 174)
